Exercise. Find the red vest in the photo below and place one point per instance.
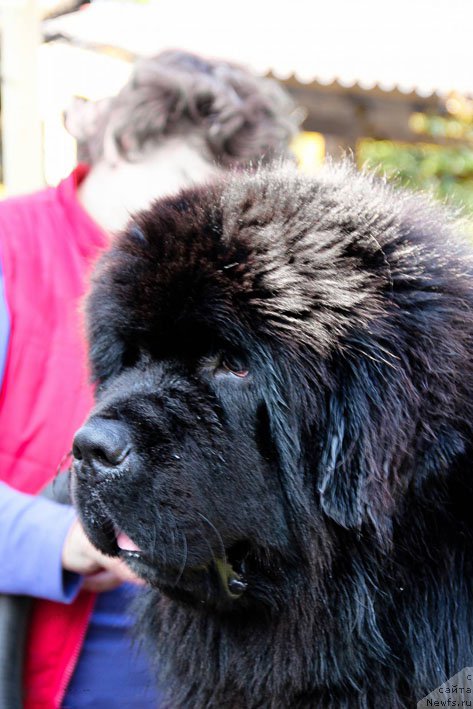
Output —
(48, 244)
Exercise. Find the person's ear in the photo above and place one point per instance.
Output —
(82, 117)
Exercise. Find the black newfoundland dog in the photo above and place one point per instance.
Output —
(282, 440)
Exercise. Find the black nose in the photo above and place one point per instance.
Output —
(102, 443)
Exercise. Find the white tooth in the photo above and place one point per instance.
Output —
(133, 554)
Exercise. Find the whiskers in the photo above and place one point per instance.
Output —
(184, 559)
(223, 553)
(185, 545)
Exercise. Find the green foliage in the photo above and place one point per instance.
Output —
(445, 171)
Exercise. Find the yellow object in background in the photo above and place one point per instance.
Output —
(309, 149)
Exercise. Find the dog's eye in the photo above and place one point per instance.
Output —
(234, 366)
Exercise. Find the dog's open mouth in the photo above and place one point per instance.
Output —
(127, 546)
(224, 578)
(229, 570)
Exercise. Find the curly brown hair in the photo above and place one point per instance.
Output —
(236, 117)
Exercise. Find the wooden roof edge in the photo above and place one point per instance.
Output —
(357, 87)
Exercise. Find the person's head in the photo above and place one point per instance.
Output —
(231, 116)
(178, 121)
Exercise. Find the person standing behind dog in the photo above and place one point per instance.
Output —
(179, 121)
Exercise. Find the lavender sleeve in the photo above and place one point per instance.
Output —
(4, 327)
(32, 533)
(32, 529)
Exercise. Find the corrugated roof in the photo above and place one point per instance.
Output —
(424, 46)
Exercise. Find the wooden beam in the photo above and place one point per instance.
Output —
(21, 124)
(341, 113)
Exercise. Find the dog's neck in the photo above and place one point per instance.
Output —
(306, 669)
(313, 653)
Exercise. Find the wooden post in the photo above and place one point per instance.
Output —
(21, 123)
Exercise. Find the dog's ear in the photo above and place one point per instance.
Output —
(356, 450)
(106, 350)
(109, 308)
(383, 431)
(105, 327)
(344, 466)
(367, 418)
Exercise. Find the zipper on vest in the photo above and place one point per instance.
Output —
(71, 665)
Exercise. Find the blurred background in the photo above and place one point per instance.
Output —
(389, 82)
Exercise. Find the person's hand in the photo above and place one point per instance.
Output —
(102, 573)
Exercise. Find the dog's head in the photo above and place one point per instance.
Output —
(278, 360)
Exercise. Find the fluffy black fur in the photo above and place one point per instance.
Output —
(290, 360)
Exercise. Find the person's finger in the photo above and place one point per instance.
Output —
(101, 581)
(125, 573)
(78, 554)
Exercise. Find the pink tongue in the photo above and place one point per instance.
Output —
(125, 543)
